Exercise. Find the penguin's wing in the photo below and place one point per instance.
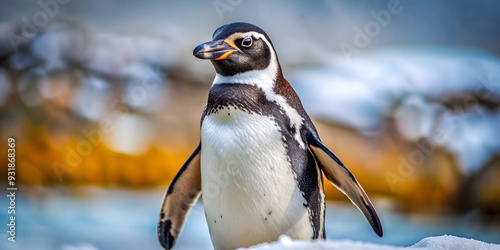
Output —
(181, 195)
(338, 174)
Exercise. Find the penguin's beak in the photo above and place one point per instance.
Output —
(216, 50)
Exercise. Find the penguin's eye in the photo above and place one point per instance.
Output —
(247, 42)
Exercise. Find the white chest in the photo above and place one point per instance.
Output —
(248, 186)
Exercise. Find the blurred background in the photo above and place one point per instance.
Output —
(104, 100)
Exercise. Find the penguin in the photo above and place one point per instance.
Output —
(260, 162)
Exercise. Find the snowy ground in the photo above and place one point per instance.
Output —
(438, 242)
(94, 218)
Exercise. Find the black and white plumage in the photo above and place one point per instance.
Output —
(260, 162)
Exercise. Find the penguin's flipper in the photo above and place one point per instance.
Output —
(338, 174)
(181, 195)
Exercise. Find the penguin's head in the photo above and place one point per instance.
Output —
(237, 48)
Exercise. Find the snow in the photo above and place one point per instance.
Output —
(64, 44)
(284, 242)
(449, 96)
(415, 117)
(93, 98)
(453, 242)
(434, 243)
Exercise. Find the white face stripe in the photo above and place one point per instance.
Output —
(265, 79)
(261, 78)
